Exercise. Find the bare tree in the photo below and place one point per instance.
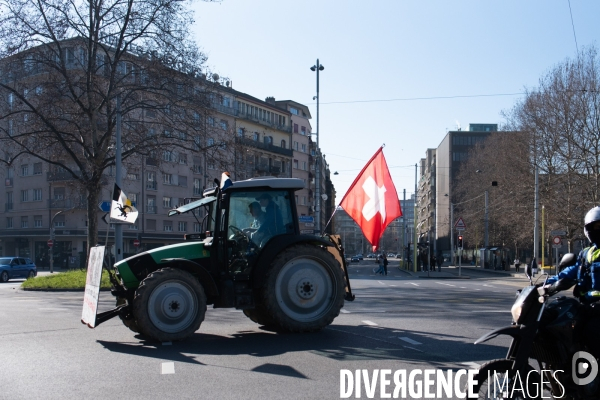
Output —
(69, 68)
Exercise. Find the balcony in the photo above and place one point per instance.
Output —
(264, 146)
(283, 128)
(61, 176)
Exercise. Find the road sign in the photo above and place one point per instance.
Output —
(309, 224)
(50, 243)
(104, 206)
(136, 242)
(558, 233)
(307, 231)
(306, 218)
(557, 240)
(460, 225)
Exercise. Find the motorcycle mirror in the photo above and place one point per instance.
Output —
(567, 260)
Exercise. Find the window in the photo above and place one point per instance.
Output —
(9, 222)
(168, 226)
(295, 164)
(151, 181)
(24, 170)
(182, 181)
(37, 194)
(303, 147)
(133, 176)
(197, 227)
(9, 201)
(151, 205)
(24, 222)
(294, 110)
(303, 130)
(133, 197)
(59, 221)
(304, 165)
(24, 195)
(197, 167)
(167, 133)
(303, 200)
(296, 146)
(211, 121)
(197, 187)
(256, 136)
(37, 221)
(167, 155)
(167, 179)
(211, 164)
(133, 227)
(223, 124)
(182, 158)
(240, 132)
(166, 202)
(182, 226)
(268, 139)
(283, 144)
(210, 141)
(295, 128)
(37, 168)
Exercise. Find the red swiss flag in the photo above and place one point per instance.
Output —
(372, 200)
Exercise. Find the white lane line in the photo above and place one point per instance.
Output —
(409, 340)
(167, 368)
(462, 287)
(381, 282)
(473, 365)
(393, 285)
(447, 284)
(370, 323)
(410, 283)
(488, 285)
(344, 311)
(53, 309)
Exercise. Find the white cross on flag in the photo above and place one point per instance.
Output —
(372, 200)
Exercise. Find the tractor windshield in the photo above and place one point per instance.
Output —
(261, 214)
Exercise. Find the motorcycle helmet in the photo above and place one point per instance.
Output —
(592, 216)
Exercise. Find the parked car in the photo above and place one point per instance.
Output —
(355, 258)
(16, 267)
(359, 255)
(371, 255)
(391, 255)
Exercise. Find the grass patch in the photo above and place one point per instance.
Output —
(74, 279)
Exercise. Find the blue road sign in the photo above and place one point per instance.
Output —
(306, 218)
(104, 206)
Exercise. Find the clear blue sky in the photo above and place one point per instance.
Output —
(424, 54)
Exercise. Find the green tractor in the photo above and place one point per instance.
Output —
(250, 256)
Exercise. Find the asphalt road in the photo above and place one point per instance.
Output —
(396, 322)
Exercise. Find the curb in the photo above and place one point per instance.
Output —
(57, 290)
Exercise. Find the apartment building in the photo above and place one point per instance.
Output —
(241, 134)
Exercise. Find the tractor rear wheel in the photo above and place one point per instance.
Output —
(259, 315)
(304, 289)
(169, 305)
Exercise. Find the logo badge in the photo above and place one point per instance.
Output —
(584, 368)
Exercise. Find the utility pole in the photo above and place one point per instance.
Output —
(536, 218)
(118, 227)
(318, 67)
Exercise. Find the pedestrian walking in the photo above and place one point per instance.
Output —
(440, 260)
(385, 263)
(380, 270)
(517, 264)
(534, 267)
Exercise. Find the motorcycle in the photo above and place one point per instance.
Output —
(545, 329)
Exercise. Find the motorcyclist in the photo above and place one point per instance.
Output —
(586, 273)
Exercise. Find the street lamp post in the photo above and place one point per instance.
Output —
(52, 238)
(318, 67)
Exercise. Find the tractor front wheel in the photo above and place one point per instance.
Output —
(169, 305)
(304, 289)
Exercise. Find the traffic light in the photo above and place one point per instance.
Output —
(460, 242)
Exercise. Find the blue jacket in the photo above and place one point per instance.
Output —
(588, 277)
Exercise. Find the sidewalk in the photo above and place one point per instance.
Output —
(452, 272)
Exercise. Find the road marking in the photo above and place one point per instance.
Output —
(236, 310)
(344, 311)
(409, 340)
(393, 285)
(381, 282)
(412, 348)
(447, 284)
(370, 323)
(462, 287)
(410, 283)
(54, 309)
(488, 285)
(167, 368)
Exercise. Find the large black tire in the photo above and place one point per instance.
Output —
(4, 276)
(499, 367)
(128, 320)
(304, 289)
(259, 315)
(169, 305)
